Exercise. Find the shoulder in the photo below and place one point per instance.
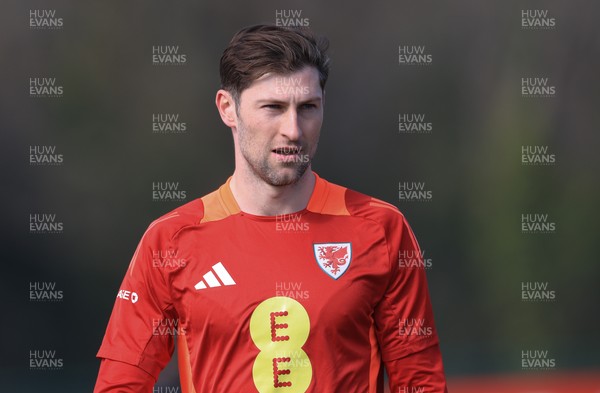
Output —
(214, 206)
(159, 233)
(363, 205)
(168, 225)
(339, 200)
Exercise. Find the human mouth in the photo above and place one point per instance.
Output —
(287, 153)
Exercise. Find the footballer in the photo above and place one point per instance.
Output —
(284, 282)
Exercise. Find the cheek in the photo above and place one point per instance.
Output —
(253, 136)
(312, 128)
(263, 129)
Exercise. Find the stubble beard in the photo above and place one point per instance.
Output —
(264, 169)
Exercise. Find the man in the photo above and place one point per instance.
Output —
(279, 281)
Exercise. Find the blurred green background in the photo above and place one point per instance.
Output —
(471, 161)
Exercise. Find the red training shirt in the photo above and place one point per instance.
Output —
(314, 301)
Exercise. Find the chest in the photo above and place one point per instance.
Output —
(333, 273)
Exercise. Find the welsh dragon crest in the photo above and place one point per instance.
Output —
(334, 258)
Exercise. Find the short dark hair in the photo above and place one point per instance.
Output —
(257, 50)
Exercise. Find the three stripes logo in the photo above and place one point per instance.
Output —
(210, 279)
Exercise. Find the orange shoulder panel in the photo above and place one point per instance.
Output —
(219, 204)
(328, 198)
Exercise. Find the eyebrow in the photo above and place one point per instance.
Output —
(278, 101)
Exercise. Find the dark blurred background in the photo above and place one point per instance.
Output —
(471, 161)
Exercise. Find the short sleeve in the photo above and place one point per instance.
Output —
(135, 333)
(404, 318)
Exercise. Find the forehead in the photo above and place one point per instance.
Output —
(303, 82)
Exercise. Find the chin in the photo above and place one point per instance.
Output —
(282, 180)
(284, 177)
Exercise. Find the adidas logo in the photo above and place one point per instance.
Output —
(211, 281)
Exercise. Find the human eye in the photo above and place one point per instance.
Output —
(308, 106)
(272, 106)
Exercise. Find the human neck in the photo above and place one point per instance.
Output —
(256, 197)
